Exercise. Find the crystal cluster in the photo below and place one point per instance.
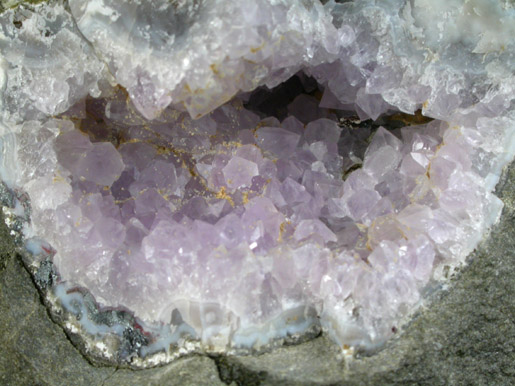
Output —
(165, 179)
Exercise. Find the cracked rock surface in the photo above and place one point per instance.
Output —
(466, 335)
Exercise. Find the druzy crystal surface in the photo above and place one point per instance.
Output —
(172, 172)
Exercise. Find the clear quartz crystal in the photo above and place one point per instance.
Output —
(163, 190)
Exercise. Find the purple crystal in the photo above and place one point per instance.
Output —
(279, 142)
(157, 174)
(238, 172)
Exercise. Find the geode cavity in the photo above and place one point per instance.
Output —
(221, 176)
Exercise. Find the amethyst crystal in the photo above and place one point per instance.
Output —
(160, 185)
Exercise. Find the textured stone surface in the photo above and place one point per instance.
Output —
(375, 91)
(36, 351)
(237, 222)
(466, 336)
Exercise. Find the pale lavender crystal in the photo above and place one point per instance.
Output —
(280, 142)
(230, 230)
(370, 105)
(235, 229)
(159, 68)
(262, 223)
(102, 164)
(71, 147)
(382, 161)
(293, 192)
(361, 202)
(238, 172)
(313, 228)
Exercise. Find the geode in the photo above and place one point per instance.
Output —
(224, 176)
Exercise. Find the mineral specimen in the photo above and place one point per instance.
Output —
(196, 168)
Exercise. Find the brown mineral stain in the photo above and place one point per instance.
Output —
(57, 178)
(222, 194)
(214, 68)
(411, 119)
(256, 49)
(245, 197)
